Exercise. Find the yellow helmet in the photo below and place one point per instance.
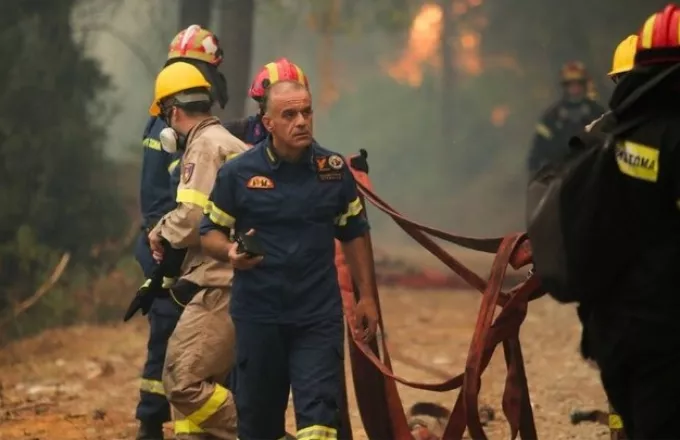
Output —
(176, 78)
(624, 56)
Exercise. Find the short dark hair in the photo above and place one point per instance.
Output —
(264, 103)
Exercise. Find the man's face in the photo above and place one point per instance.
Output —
(290, 117)
(575, 90)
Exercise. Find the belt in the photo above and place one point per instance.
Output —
(183, 292)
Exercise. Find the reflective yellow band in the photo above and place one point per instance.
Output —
(154, 144)
(218, 398)
(544, 131)
(638, 161)
(167, 282)
(615, 421)
(353, 209)
(187, 427)
(230, 156)
(173, 165)
(192, 196)
(152, 386)
(219, 217)
(317, 432)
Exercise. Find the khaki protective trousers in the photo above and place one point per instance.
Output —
(200, 355)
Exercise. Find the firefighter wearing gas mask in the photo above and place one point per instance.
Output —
(162, 151)
(564, 119)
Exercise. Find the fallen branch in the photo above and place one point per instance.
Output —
(42, 290)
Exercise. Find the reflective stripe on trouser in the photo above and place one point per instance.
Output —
(200, 355)
(317, 432)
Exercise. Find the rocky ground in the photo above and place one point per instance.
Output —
(81, 383)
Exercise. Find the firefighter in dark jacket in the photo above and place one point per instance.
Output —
(563, 119)
(200, 48)
(635, 337)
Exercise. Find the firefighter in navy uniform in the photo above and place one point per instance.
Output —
(564, 119)
(635, 337)
(286, 306)
(250, 129)
(200, 48)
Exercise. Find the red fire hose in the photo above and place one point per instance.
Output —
(380, 406)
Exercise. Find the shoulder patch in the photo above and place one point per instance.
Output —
(187, 171)
(335, 162)
(260, 182)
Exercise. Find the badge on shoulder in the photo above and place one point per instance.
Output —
(249, 245)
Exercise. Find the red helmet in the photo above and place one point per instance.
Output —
(573, 71)
(279, 70)
(658, 40)
(196, 43)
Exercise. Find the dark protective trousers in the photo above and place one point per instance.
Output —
(153, 407)
(273, 358)
(638, 362)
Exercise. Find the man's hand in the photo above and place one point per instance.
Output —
(241, 261)
(156, 245)
(366, 319)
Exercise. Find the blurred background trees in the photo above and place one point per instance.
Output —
(442, 93)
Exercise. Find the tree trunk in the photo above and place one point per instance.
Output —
(448, 37)
(235, 30)
(328, 24)
(194, 12)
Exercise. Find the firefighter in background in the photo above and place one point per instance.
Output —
(564, 119)
(200, 48)
(250, 129)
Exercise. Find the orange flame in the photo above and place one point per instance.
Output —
(425, 40)
(423, 46)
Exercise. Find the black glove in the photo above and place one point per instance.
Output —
(359, 162)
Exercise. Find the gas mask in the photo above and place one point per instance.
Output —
(171, 141)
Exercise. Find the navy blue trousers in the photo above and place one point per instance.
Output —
(272, 359)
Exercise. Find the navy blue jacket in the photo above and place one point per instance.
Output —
(297, 209)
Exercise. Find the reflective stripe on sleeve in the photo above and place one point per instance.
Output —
(353, 209)
(192, 196)
(219, 217)
(173, 165)
(154, 144)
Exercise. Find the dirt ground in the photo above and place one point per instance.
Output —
(81, 383)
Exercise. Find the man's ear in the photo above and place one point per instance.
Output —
(267, 122)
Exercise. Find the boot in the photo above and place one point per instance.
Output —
(150, 431)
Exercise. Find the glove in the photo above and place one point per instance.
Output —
(358, 162)
(144, 298)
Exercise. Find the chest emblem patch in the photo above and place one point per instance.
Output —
(260, 182)
(335, 162)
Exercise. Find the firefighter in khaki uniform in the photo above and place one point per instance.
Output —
(201, 350)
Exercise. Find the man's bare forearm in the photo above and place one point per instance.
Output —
(359, 257)
(216, 244)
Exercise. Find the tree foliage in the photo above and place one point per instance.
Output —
(57, 192)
